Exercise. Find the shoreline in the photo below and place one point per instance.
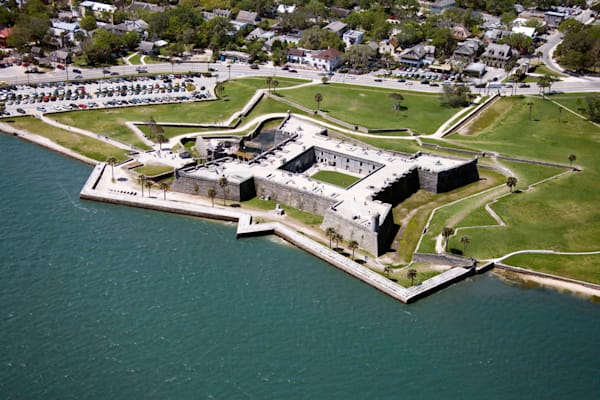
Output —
(560, 284)
(508, 273)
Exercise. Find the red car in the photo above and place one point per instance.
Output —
(60, 66)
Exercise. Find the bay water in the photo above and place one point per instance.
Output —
(106, 302)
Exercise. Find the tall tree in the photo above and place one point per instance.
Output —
(211, 195)
(112, 161)
(269, 81)
(572, 158)
(446, 233)
(165, 188)
(223, 182)
(511, 182)
(318, 100)
(411, 274)
(530, 105)
(149, 185)
(160, 139)
(330, 233)
(275, 84)
(397, 98)
(142, 180)
(353, 245)
(465, 240)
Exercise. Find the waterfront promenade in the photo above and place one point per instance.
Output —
(99, 187)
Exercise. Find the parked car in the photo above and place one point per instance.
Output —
(20, 111)
(76, 71)
(254, 66)
(524, 85)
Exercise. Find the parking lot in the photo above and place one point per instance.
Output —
(112, 92)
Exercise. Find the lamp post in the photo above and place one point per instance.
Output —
(228, 72)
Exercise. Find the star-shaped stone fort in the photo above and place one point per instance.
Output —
(361, 211)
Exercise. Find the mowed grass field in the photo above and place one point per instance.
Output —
(335, 178)
(85, 145)
(111, 122)
(372, 108)
(561, 214)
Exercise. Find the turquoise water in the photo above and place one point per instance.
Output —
(105, 302)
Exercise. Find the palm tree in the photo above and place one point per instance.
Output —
(324, 80)
(142, 179)
(530, 104)
(165, 188)
(572, 157)
(269, 81)
(353, 245)
(275, 83)
(511, 182)
(387, 270)
(211, 194)
(411, 274)
(160, 138)
(337, 238)
(318, 99)
(330, 233)
(149, 184)
(446, 233)
(219, 89)
(396, 98)
(223, 182)
(465, 240)
(112, 162)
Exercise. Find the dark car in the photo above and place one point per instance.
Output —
(114, 73)
(254, 66)
(293, 71)
(77, 71)
(285, 68)
(425, 82)
(524, 85)
(378, 80)
(20, 111)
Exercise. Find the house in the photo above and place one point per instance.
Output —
(296, 56)
(524, 30)
(497, 55)
(352, 37)
(260, 34)
(142, 6)
(467, 51)
(217, 12)
(441, 5)
(388, 46)
(339, 12)
(100, 11)
(475, 69)
(60, 56)
(417, 55)
(460, 32)
(268, 45)
(337, 27)
(248, 17)
(145, 47)
(493, 35)
(285, 9)
(36, 51)
(235, 56)
(61, 33)
(4, 33)
(327, 60)
(238, 25)
(553, 18)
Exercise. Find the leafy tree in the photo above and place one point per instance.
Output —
(330, 232)
(465, 240)
(112, 162)
(520, 42)
(593, 107)
(316, 38)
(211, 194)
(219, 89)
(353, 245)
(358, 55)
(275, 83)
(570, 25)
(411, 274)
(580, 49)
(324, 80)
(397, 98)
(511, 182)
(410, 33)
(456, 96)
(88, 23)
(279, 52)
(572, 158)
(223, 182)
(318, 99)
(446, 233)
(546, 81)
(160, 139)
(443, 41)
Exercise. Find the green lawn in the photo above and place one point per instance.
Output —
(371, 107)
(299, 215)
(153, 169)
(561, 214)
(87, 146)
(574, 101)
(335, 178)
(136, 59)
(111, 122)
(586, 267)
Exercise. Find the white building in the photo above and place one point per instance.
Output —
(352, 37)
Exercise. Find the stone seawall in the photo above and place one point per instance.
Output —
(444, 259)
